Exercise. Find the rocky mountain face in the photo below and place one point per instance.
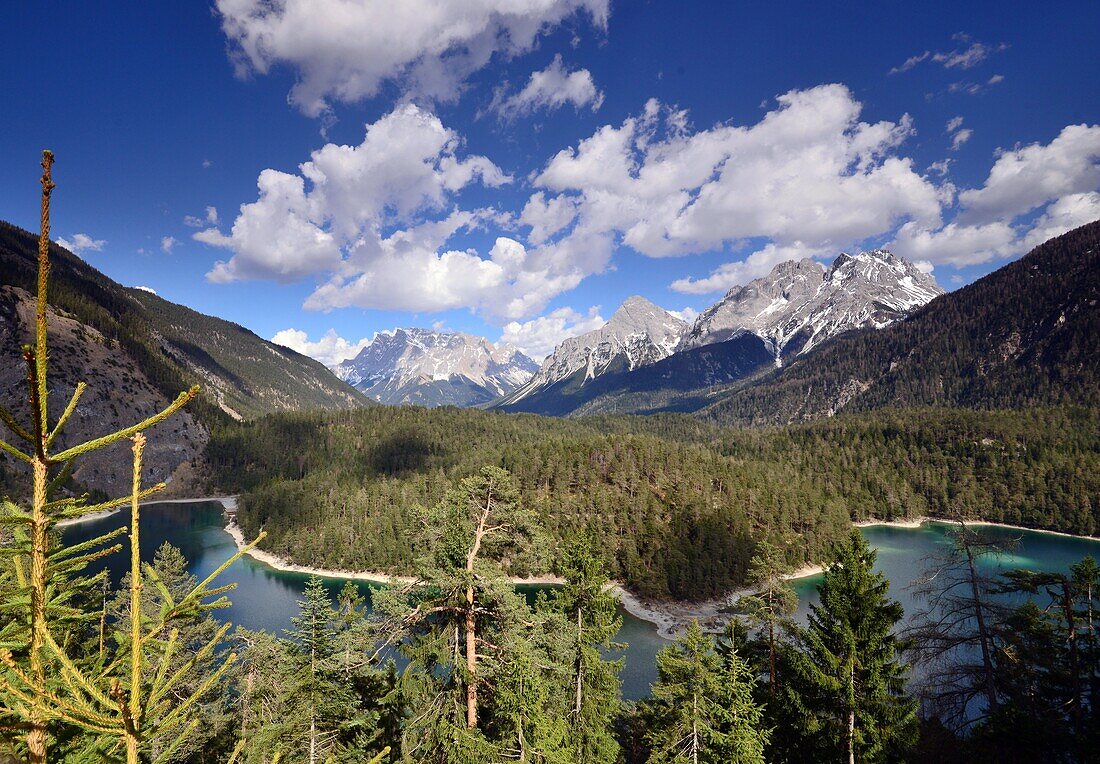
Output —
(430, 368)
(1023, 336)
(800, 305)
(646, 360)
(137, 352)
(639, 333)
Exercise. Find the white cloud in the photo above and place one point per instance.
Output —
(960, 137)
(996, 79)
(150, 290)
(758, 264)
(547, 217)
(687, 315)
(924, 266)
(1027, 177)
(955, 244)
(406, 166)
(168, 243)
(965, 56)
(538, 337)
(330, 350)
(82, 242)
(209, 218)
(954, 124)
(1065, 214)
(1063, 176)
(345, 51)
(941, 167)
(551, 88)
(809, 177)
(206, 164)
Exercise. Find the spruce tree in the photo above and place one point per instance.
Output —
(592, 622)
(771, 604)
(851, 678)
(702, 710)
(127, 698)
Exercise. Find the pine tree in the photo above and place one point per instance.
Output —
(771, 604)
(702, 708)
(41, 684)
(956, 636)
(318, 697)
(850, 675)
(592, 622)
(461, 623)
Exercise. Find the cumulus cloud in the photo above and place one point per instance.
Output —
(547, 217)
(687, 315)
(82, 242)
(757, 264)
(330, 217)
(345, 51)
(1062, 176)
(1028, 176)
(538, 337)
(168, 243)
(551, 88)
(150, 290)
(1063, 215)
(330, 350)
(956, 244)
(809, 171)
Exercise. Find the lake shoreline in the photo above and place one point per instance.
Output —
(919, 521)
(668, 617)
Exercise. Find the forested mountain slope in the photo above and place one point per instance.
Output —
(1025, 335)
(142, 351)
(678, 505)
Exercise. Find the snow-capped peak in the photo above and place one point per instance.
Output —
(637, 334)
(430, 367)
(800, 304)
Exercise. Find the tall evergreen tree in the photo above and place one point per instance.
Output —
(589, 608)
(772, 603)
(702, 710)
(850, 676)
(463, 627)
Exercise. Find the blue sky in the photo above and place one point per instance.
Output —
(517, 169)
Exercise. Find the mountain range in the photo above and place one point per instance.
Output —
(799, 306)
(804, 342)
(432, 368)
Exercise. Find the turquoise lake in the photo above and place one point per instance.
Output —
(265, 598)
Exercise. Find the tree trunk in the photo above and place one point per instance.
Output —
(694, 729)
(983, 633)
(36, 737)
(471, 617)
(852, 715)
(1074, 661)
(771, 659)
(580, 663)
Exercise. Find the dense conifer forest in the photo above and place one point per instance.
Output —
(680, 505)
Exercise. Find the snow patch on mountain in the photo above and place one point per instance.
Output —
(801, 304)
(637, 334)
(432, 368)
